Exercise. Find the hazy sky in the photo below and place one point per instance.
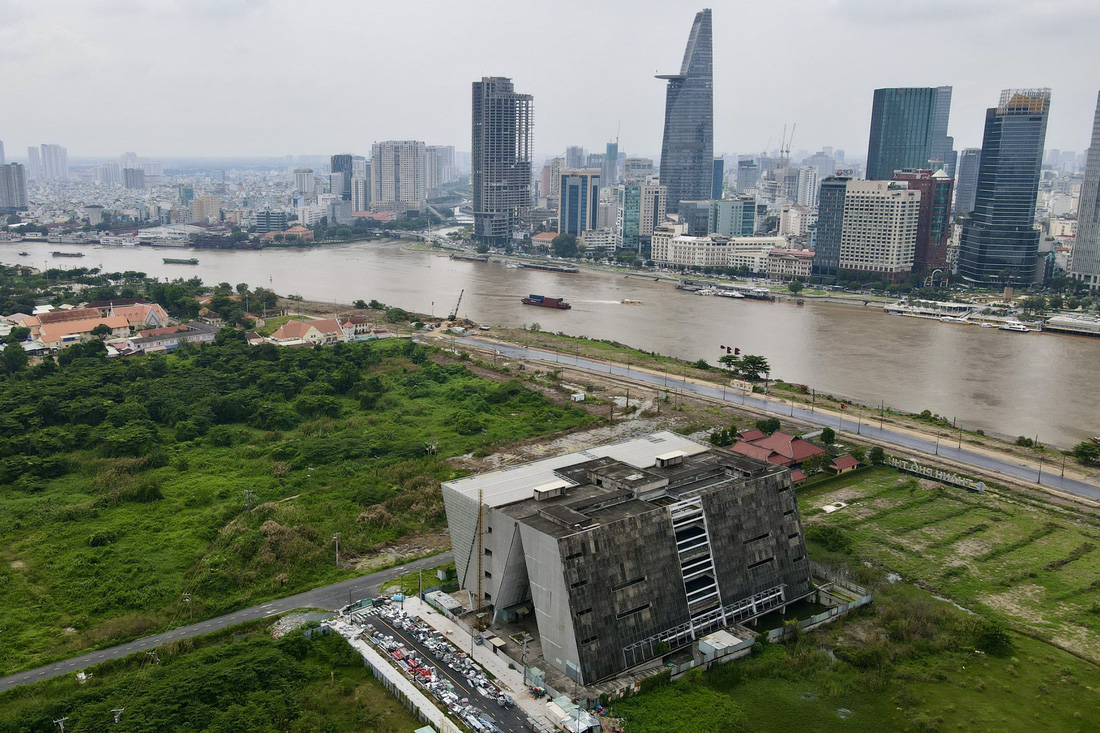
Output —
(273, 77)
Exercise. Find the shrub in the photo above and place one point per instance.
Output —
(768, 425)
(878, 455)
(833, 539)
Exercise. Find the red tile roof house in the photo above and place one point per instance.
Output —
(782, 449)
(843, 464)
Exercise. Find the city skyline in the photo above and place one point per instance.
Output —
(241, 45)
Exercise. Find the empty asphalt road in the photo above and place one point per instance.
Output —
(330, 597)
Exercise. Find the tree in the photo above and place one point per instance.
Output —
(753, 367)
(101, 331)
(828, 436)
(768, 425)
(1087, 453)
(816, 463)
(482, 249)
(13, 359)
(360, 304)
(18, 334)
(564, 245)
(795, 286)
(878, 455)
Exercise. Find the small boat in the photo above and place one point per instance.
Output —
(484, 328)
(988, 325)
(1015, 327)
(544, 302)
(181, 261)
(24, 254)
(728, 294)
(67, 254)
(953, 319)
(630, 301)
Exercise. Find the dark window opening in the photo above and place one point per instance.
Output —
(488, 574)
(589, 640)
(757, 538)
(762, 562)
(488, 552)
(633, 611)
(629, 583)
(579, 584)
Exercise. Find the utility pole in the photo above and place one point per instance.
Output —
(1040, 479)
(60, 723)
(336, 538)
(190, 609)
(881, 408)
(1063, 465)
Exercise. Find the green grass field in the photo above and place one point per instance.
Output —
(237, 680)
(1034, 563)
(143, 495)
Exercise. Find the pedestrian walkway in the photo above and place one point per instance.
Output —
(508, 679)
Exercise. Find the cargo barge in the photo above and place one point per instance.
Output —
(67, 254)
(544, 302)
(181, 261)
(549, 267)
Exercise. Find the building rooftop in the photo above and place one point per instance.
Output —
(515, 483)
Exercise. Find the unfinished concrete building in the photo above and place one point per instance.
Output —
(630, 550)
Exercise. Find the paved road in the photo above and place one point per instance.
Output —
(1007, 466)
(330, 597)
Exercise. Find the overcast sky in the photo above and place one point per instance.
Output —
(170, 78)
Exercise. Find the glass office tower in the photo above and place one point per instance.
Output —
(687, 150)
(999, 240)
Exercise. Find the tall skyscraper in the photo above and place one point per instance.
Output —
(2, 160)
(55, 163)
(13, 187)
(999, 242)
(108, 173)
(748, 173)
(1086, 251)
(34, 164)
(580, 201)
(687, 149)
(609, 172)
(133, 178)
(500, 160)
(808, 184)
(397, 174)
(717, 176)
(342, 163)
(830, 223)
(966, 184)
(942, 144)
(934, 222)
(908, 129)
(303, 181)
(574, 157)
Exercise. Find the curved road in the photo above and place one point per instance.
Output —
(329, 597)
(1016, 469)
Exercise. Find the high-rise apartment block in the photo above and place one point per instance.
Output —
(13, 187)
(3, 161)
(718, 178)
(637, 170)
(133, 178)
(575, 157)
(55, 163)
(966, 185)
(934, 222)
(501, 160)
(1086, 251)
(34, 165)
(999, 242)
(879, 233)
(687, 147)
(908, 128)
(303, 182)
(439, 167)
(580, 199)
(627, 551)
(808, 185)
(108, 173)
(206, 208)
(360, 194)
(342, 164)
(397, 175)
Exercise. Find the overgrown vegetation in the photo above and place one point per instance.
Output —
(126, 483)
(250, 682)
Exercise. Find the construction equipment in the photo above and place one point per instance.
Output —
(454, 313)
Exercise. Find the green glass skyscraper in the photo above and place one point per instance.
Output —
(908, 130)
(999, 240)
(687, 149)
